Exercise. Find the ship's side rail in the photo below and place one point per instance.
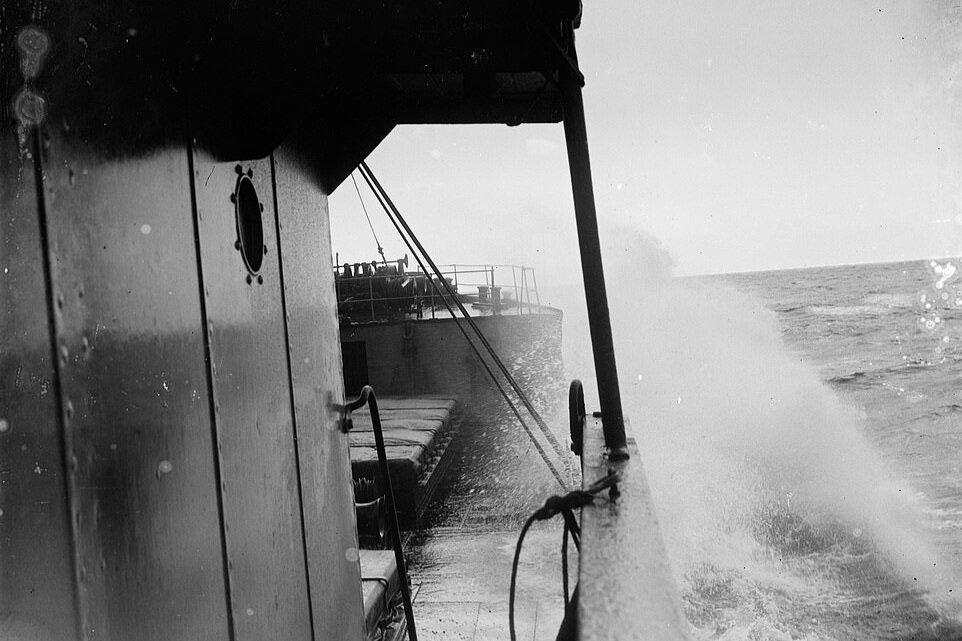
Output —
(627, 589)
(508, 284)
(369, 292)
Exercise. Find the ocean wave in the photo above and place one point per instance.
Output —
(858, 378)
(841, 592)
(848, 310)
(881, 376)
(790, 532)
(790, 308)
(890, 301)
(942, 411)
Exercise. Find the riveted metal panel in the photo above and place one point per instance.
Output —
(260, 490)
(136, 406)
(37, 599)
(313, 336)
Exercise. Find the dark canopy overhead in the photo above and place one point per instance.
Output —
(333, 78)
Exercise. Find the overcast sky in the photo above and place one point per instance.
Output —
(743, 135)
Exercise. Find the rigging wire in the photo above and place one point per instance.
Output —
(380, 249)
(366, 172)
(457, 321)
(392, 212)
(369, 176)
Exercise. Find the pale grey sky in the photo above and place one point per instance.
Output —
(744, 135)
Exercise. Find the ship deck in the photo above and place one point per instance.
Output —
(462, 579)
(460, 561)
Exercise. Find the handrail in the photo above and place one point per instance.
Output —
(367, 397)
(363, 293)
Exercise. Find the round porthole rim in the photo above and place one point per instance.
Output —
(250, 241)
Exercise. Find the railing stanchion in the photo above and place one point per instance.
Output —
(527, 290)
(537, 296)
(370, 293)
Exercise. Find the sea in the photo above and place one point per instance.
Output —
(813, 490)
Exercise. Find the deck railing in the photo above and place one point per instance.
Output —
(386, 291)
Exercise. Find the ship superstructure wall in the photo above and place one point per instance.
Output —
(170, 460)
(432, 356)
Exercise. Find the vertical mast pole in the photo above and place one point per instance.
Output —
(599, 320)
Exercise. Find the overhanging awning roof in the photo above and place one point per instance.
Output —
(241, 76)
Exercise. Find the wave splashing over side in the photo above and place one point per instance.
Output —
(769, 495)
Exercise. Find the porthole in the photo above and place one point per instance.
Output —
(250, 226)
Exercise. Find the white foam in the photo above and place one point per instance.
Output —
(755, 427)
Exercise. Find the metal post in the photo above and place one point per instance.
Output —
(599, 320)
(527, 289)
(368, 397)
(370, 292)
(537, 296)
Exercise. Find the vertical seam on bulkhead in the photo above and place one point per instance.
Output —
(290, 383)
(53, 330)
(211, 401)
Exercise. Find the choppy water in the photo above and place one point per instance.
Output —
(844, 516)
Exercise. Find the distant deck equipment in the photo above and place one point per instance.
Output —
(372, 292)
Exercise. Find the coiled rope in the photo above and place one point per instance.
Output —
(565, 506)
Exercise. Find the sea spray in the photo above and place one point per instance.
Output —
(775, 508)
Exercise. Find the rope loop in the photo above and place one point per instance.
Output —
(555, 505)
(566, 506)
